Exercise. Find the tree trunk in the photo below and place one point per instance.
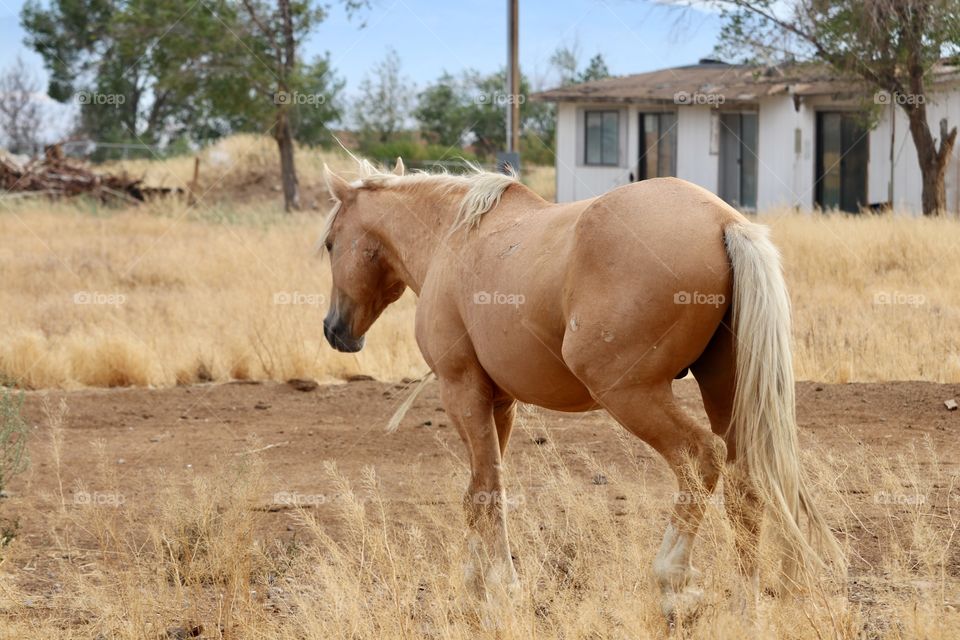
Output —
(288, 170)
(933, 160)
(284, 133)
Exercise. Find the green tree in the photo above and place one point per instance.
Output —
(442, 111)
(385, 102)
(891, 45)
(596, 69)
(106, 55)
(322, 88)
(473, 108)
(148, 71)
(566, 63)
(281, 88)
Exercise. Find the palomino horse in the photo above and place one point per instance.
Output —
(580, 306)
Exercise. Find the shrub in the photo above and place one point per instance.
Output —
(13, 436)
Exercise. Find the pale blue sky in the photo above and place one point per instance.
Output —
(633, 35)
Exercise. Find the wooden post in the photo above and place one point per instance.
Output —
(196, 179)
(513, 77)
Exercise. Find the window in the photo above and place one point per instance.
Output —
(602, 144)
(658, 145)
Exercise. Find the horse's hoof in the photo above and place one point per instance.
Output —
(682, 605)
(678, 578)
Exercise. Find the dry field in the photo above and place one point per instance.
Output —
(174, 294)
(210, 501)
(251, 511)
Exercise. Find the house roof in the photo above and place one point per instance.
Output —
(736, 83)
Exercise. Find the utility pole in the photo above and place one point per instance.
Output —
(513, 77)
(512, 156)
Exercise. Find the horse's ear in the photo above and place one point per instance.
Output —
(398, 169)
(339, 188)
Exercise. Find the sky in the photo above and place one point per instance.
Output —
(454, 35)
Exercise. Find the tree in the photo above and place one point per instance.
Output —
(486, 110)
(596, 69)
(566, 62)
(146, 70)
(442, 111)
(20, 116)
(385, 101)
(261, 83)
(891, 45)
(275, 32)
(102, 54)
(321, 88)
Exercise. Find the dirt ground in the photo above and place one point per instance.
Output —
(186, 431)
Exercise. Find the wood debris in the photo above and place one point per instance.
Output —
(54, 175)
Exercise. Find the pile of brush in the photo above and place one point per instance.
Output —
(55, 175)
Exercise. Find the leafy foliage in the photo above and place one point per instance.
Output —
(150, 71)
(385, 101)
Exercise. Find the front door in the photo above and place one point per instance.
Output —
(842, 153)
(738, 159)
(658, 145)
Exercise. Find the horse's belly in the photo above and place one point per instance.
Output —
(534, 373)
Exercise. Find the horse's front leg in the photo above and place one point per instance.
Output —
(469, 401)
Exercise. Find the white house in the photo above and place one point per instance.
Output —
(758, 137)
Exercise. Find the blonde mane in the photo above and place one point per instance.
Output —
(483, 190)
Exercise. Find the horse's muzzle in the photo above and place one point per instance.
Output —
(339, 336)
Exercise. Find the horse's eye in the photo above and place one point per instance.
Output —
(329, 246)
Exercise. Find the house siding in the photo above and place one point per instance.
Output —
(577, 180)
(694, 160)
(786, 174)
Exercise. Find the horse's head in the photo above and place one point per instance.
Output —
(363, 281)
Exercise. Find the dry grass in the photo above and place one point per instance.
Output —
(148, 298)
(234, 163)
(245, 163)
(874, 298)
(182, 293)
(193, 558)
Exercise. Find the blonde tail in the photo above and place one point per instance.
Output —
(764, 409)
(407, 404)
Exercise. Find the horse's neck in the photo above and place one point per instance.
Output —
(413, 234)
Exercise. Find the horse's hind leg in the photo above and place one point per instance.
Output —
(696, 457)
(504, 414)
(715, 372)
